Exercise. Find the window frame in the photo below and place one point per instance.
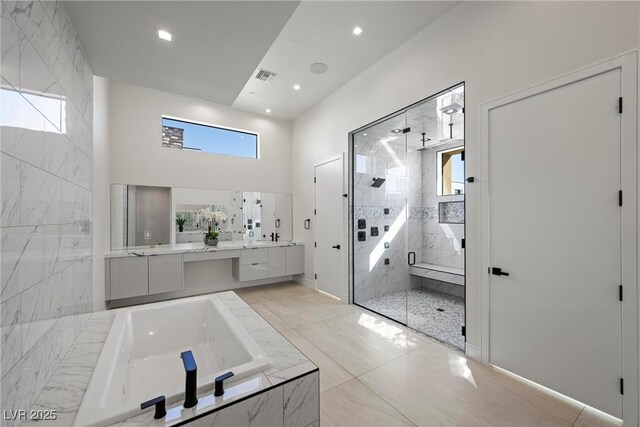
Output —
(210, 125)
(439, 166)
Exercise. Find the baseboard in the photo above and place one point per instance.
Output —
(304, 281)
(473, 352)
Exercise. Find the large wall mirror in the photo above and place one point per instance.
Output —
(148, 215)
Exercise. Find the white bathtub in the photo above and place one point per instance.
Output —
(141, 356)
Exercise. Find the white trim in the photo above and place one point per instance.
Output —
(472, 351)
(343, 286)
(628, 65)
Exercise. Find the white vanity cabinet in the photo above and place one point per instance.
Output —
(277, 262)
(176, 271)
(129, 277)
(294, 260)
(253, 264)
(165, 273)
(260, 263)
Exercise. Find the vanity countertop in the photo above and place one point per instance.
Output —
(195, 247)
(66, 388)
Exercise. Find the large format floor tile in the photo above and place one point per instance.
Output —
(331, 374)
(297, 307)
(438, 386)
(277, 323)
(592, 418)
(353, 404)
(362, 341)
(402, 377)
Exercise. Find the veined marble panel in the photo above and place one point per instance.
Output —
(301, 400)
(10, 191)
(46, 277)
(11, 333)
(10, 48)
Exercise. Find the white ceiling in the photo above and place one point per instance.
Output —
(215, 49)
(218, 46)
(321, 31)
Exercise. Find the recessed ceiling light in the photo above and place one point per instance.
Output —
(364, 134)
(164, 35)
(268, 110)
(357, 31)
(396, 130)
(297, 87)
(318, 68)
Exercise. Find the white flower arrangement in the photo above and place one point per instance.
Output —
(211, 217)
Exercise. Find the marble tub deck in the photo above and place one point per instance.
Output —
(436, 314)
(66, 389)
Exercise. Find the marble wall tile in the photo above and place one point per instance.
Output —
(46, 221)
(301, 400)
(42, 305)
(30, 17)
(40, 194)
(36, 80)
(10, 48)
(10, 190)
(11, 333)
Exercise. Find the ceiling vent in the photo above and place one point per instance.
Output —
(265, 76)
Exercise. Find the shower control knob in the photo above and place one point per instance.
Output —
(336, 247)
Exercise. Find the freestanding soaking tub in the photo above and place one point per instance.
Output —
(141, 356)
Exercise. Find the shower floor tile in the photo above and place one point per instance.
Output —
(433, 313)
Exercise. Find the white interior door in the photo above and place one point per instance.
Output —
(329, 228)
(555, 228)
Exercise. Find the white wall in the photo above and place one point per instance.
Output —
(138, 157)
(101, 193)
(497, 48)
(135, 155)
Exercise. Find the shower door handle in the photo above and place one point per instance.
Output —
(411, 258)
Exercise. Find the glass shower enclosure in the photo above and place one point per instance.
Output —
(407, 216)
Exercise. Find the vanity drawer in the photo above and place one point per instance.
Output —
(253, 256)
(255, 271)
(206, 256)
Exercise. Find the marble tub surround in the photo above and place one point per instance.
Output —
(183, 248)
(46, 195)
(290, 384)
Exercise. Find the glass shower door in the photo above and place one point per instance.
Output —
(380, 213)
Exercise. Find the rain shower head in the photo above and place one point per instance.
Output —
(424, 140)
(377, 182)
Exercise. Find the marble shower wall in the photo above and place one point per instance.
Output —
(441, 243)
(46, 195)
(401, 194)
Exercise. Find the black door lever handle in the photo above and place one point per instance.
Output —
(497, 271)
(336, 247)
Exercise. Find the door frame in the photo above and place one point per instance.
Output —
(627, 64)
(343, 285)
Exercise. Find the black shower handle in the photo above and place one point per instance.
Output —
(409, 258)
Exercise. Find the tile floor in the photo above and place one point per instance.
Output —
(434, 313)
(375, 372)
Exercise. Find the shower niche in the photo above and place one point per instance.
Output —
(407, 178)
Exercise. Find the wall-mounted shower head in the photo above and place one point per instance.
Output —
(424, 140)
(377, 182)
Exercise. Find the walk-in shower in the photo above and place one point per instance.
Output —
(407, 216)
